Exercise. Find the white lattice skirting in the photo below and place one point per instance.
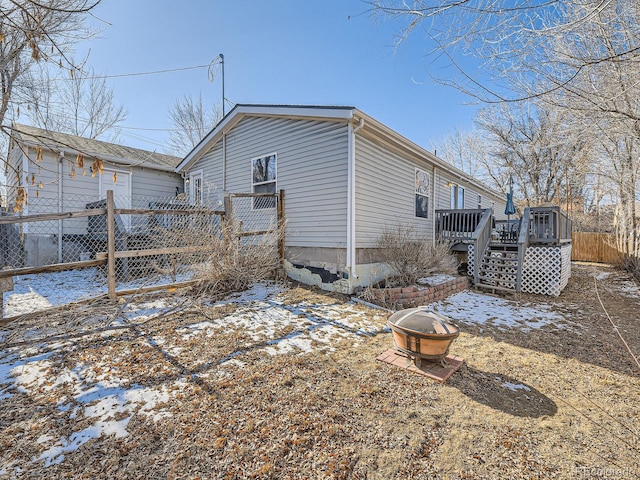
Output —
(546, 270)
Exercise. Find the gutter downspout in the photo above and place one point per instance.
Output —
(60, 204)
(351, 199)
(224, 160)
(433, 204)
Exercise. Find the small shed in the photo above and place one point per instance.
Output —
(52, 172)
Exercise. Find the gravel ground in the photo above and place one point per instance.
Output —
(282, 382)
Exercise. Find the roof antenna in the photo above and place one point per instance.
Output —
(218, 60)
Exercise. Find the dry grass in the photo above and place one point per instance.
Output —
(335, 412)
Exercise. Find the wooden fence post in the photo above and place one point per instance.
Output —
(281, 228)
(111, 246)
(228, 216)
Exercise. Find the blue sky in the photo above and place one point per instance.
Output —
(310, 52)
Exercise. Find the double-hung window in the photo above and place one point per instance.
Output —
(263, 174)
(423, 180)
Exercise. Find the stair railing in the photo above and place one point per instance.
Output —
(480, 238)
(523, 243)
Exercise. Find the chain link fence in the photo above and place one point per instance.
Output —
(56, 253)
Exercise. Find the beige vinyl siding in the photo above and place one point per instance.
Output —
(14, 165)
(471, 193)
(311, 168)
(385, 192)
(211, 166)
(46, 171)
(148, 184)
(443, 190)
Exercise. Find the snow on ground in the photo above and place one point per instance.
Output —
(435, 279)
(34, 293)
(104, 401)
(479, 309)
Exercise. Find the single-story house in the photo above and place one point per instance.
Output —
(346, 177)
(50, 172)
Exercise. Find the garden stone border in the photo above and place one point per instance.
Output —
(413, 296)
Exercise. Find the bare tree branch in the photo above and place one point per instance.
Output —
(191, 121)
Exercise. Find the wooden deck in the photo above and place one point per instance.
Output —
(500, 247)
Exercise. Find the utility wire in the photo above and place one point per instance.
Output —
(137, 74)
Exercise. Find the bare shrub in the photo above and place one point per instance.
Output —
(411, 255)
(235, 262)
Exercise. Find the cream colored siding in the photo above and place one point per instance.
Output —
(311, 168)
(14, 165)
(211, 166)
(77, 192)
(385, 192)
(471, 193)
(153, 184)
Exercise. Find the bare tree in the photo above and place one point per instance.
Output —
(581, 58)
(82, 104)
(191, 121)
(32, 31)
(539, 148)
(469, 151)
(503, 50)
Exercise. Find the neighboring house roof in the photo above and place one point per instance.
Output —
(105, 151)
(333, 113)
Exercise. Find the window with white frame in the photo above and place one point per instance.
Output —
(423, 180)
(263, 175)
(195, 184)
(457, 197)
(479, 201)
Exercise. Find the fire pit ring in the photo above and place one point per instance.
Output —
(422, 334)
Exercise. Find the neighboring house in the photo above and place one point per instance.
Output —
(346, 177)
(52, 171)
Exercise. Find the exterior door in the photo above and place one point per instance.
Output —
(120, 182)
(195, 188)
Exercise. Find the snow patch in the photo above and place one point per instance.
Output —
(436, 279)
(478, 309)
(515, 386)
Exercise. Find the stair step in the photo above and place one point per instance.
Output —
(499, 280)
(488, 273)
(494, 287)
(493, 272)
(498, 267)
(499, 259)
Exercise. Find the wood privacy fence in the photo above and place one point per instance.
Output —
(594, 247)
(130, 245)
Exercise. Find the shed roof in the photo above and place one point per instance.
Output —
(111, 152)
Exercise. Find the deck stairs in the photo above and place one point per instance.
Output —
(498, 269)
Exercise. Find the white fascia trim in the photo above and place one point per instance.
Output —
(239, 111)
